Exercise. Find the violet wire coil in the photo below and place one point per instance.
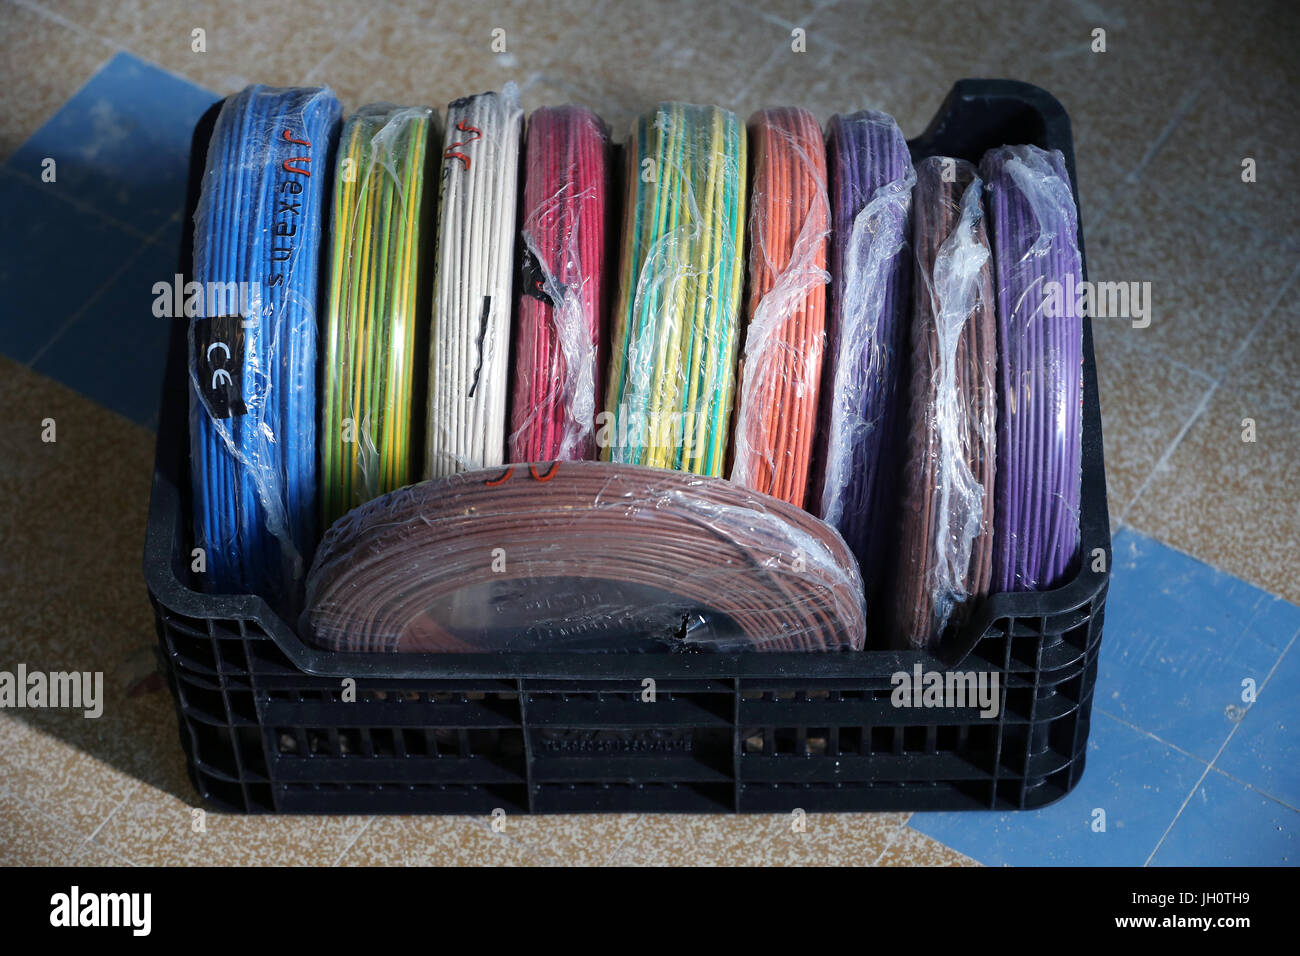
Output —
(860, 420)
(1034, 225)
(505, 546)
(558, 354)
(945, 548)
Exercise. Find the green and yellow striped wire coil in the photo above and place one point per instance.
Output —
(376, 325)
(675, 324)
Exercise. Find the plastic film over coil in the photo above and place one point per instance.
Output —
(780, 378)
(871, 202)
(375, 328)
(252, 341)
(1039, 282)
(559, 359)
(582, 556)
(472, 303)
(946, 533)
(674, 338)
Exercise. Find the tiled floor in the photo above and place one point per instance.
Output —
(1181, 768)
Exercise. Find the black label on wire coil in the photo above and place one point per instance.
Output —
(218, 363)
(533, 279)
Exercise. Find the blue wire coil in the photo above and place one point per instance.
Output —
(253, 346)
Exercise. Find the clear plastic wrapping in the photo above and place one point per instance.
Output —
(780, 376)
(252, 359)
(472, 305)
(871, 290)
(585, 556)
(1038, 275)
(558, 360)
(946, 533)
(375, 327)
(673, 343)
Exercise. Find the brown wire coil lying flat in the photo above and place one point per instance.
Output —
(946, 536)
(582, 556)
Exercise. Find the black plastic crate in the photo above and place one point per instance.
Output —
(266, 727)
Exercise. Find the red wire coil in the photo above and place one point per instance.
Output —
(558, 348)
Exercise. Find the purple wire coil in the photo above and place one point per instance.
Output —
(1038, 280)
(871, 180)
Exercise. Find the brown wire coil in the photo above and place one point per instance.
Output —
(946, 535)
(582, 556)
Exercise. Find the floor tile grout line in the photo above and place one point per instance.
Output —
(347, 37)
(1205, 399)
(41, 10)
(57, 821)
(1127, 524)
(103, 823)
(613, 854)
(1180, 113)
(27, 179)
(1200, 409)
(893, 838)
(1211, 766)
(738, 6)
(1265, 315)
(338, 860)
(120, 804)
(102, 290)
(768, 64)
(1154, 736)
(1250, 786)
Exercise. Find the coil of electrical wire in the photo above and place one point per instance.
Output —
(470, 337)
(780, 378)
(374, 350)
(582, 556)
(558, 359)
(674, 337)
(253, 347)
(871, 278)
(1038, 275)
(945, 557)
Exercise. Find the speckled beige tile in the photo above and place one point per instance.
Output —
(1232, 503)
(833, 839)
(437, 841)
(572, 839)
(414, 57)
(665, 839)
(901, 58)
(1119, 101)
(155, 829)
(92, 854)
(758, 840)
(1210, 280)
(277, 42)
(1250, 110)
(629, 57)
(617, 58)
(913, 848)
(78, 535)
(1145, 401)
(42, 63)
(60, 780)
(790, 13)
(71, 592)
(29, 838)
